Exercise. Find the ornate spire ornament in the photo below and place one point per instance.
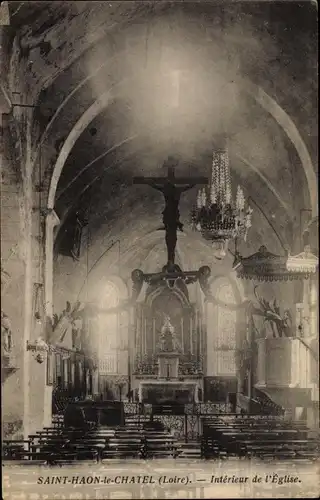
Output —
(304, 263)
(216, 215)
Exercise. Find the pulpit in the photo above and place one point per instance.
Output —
(284, 372)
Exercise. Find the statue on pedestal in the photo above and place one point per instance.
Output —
(6, 334)
(280, 324)
(168, 341)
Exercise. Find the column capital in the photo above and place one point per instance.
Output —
(51, 217)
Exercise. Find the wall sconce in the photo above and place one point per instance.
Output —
(38, 308)
(38, 348)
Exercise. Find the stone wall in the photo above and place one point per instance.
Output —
(12, 289)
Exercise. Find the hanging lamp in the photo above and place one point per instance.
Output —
(216, 215)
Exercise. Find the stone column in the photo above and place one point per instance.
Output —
(29, 250)
(306, 308)
(52, 220)
(95, 382)
(12, 266)
(314, 308)
(38, 404)
(40, 395)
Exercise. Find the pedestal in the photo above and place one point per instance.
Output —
(40, 396)
(284, 372)
(282, 362)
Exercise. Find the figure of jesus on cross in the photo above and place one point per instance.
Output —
(171, 188)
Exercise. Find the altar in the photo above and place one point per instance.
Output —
(169, 329)
(168, 387)
(162, 392)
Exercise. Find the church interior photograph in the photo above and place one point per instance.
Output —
(159, 231)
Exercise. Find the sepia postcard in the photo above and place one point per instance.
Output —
(159, 249)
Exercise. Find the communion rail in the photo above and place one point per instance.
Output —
(184, 421)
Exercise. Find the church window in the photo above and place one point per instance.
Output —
(73, 374)
(109, 332)
(65, 373)
(222, 329)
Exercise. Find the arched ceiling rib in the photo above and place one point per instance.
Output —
(86, 70)
(266, 102)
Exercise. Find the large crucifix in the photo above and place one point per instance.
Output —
(171, 187)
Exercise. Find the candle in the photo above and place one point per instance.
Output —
(204, 197)
(191, 326)
(182, 337)
(213, 197)
(199, 199)
(228, 195)
(145, 335)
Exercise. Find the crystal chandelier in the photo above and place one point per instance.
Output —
(216, 216)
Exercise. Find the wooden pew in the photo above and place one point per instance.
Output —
(247, 436)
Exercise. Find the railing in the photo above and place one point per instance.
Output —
(185, 422)
(186, 409)
(264, 405)
(313, 353)
(61, 399)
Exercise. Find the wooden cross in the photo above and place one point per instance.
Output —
(171, 187)
(171, 164)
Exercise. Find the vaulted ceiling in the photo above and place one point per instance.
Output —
(119, 86)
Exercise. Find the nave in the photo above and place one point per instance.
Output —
(159, 206)
(94, 436)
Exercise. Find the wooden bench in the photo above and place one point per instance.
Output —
(14, 449)
(255, 436)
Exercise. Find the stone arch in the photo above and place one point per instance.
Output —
(231, 278)
(162, 301)
(283, 119)
(265, 101)
(221, 282)
(115, 281)
(158, 291)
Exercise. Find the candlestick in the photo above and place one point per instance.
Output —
(145, 336)
(182, 336)
(191, 328)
